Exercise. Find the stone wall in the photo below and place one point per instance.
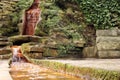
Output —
(108, 43)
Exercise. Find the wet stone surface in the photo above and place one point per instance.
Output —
(28, 71)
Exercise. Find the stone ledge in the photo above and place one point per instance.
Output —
(24, 39)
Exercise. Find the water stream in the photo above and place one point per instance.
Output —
(29, 71)
(23, 70)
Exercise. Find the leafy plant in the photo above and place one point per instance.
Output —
(102, 14)
(64, 49)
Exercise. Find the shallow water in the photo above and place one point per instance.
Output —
(28, 71)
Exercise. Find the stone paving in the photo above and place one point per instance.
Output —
(4, 70)
(107, 64)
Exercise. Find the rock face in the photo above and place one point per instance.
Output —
(32, 17)
(32, 50)
(48, 47)
(108, 43)
(5, 51)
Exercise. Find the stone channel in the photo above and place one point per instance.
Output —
(29, 71)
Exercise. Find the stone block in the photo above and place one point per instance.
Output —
(36, 49)
(112, 32)
(50, 53)
(35, 55)
(89, 52)
(108, 54)
(107, 39)
(108, 45)
(118, 32)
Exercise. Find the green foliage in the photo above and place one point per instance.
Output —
(72, 31)
(103, 14)
(24, 4)
(50, 17)
(67, 20)
(64, 49)
(20, 6)
(16, 17)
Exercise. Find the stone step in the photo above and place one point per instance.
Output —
(4, 51)
(6, 56)
(4, 39)
(5, 43)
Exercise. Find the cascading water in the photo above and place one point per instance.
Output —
(15, 51)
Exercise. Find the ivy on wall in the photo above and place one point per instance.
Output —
(103, 14)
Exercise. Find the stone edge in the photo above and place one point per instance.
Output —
(82, 72)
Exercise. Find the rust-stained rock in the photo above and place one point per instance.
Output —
(31, 19)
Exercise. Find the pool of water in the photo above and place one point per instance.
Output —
(28, 71)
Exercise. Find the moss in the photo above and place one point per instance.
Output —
(79, 71)
(25, 48)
